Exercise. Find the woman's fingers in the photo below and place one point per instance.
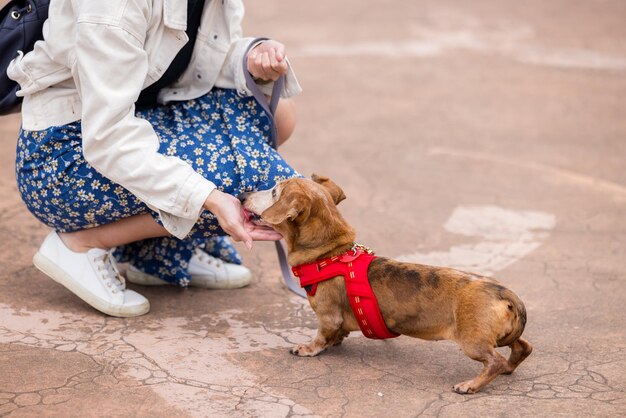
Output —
(263, 67)
(273, 60)
(227, 209)
(267, 67)
(258, 67)
(247, 232)
(234, 226)
(279, 66)
(239, 233)
(280, 50)
(266, 236)
(262, 233)
(267, 61)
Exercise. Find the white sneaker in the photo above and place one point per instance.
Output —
(92, 276)
(206, 271)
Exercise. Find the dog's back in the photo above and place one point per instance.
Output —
(444, 303)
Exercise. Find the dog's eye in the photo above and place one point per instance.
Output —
(273, 192)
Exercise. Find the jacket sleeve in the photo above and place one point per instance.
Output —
(121, 146)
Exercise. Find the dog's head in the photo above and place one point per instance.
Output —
(292, 200)
(303, 210)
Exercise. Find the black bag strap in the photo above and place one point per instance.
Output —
(270, 109)
(21, 24)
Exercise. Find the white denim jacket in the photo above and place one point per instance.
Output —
(97, 56)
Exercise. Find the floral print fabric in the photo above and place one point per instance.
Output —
(223, 136)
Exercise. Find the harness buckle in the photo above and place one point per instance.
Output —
(356, 247)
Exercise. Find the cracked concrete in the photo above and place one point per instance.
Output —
(439, 107)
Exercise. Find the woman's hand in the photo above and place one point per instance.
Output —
(267, 62)
(227, 209)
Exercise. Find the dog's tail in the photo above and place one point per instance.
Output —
(517, 315)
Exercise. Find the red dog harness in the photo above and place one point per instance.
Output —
(352, 265)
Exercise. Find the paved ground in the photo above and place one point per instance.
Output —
(488, 135)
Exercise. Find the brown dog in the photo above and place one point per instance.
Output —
(432, 303)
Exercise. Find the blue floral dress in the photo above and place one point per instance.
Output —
(223, 136)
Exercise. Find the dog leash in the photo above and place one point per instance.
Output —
(270, 109)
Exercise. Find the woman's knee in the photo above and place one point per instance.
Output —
(285, 119)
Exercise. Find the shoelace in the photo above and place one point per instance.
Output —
(111, 276)
(206, 258)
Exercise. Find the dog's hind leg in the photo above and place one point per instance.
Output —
(494, 364)
(520, 349)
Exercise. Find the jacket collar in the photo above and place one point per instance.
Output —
(175, 14)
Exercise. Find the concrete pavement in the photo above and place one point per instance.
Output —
(485, 135)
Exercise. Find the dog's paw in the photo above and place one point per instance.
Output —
(305, 350)
(464, 388)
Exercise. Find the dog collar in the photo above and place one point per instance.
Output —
(353, 266)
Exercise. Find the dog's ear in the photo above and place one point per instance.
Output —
(335, 191)
(277, 214)
(280, 211)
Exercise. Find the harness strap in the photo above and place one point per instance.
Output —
(353, 267)
(311, 274)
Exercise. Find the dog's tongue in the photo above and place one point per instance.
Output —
(246, 214)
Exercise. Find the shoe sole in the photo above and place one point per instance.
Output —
(52, 270)
(198, 282)
(145, 279)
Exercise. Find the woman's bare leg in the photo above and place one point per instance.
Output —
(125, 231)
(285, 119)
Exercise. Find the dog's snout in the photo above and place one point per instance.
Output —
(243, 196)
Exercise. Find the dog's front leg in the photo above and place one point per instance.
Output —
(329, 333)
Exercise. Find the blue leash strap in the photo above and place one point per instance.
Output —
(270, 109)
